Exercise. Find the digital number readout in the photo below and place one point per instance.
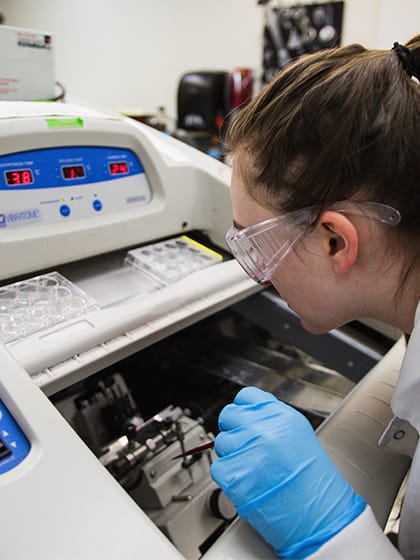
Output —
(118, 167)
(19, 177)
(73, 171)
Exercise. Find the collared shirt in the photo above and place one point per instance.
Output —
(363, 538)
(406, 399)
(406, 405)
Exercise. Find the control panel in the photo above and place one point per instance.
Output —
(49, 185)
(14, 445)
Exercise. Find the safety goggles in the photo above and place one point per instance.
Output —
(260, 248)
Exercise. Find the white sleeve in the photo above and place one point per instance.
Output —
(363, 538)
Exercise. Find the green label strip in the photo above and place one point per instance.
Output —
(76, 122)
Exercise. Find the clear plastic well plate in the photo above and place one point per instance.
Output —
(37, 303)
(169, 261)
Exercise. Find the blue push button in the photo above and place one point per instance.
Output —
(97, 205)
(65, 210)
(14, 445)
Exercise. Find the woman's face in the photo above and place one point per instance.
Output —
(304, 278)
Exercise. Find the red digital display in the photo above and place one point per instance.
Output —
(118, 167)
(73, 171)
(19, 177)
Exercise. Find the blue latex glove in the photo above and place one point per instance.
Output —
(275, 471)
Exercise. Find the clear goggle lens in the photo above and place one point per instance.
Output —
(260, 248)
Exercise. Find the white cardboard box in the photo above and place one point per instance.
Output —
(26, 64)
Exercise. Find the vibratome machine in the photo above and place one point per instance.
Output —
(125, 327)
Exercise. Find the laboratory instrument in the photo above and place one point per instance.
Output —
(26, 64)
(126, 326)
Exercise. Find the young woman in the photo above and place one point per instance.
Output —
(326, 207)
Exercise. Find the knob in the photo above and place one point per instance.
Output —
(220, 506)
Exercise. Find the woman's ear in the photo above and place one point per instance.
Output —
(340, 241)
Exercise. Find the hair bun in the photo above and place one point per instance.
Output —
(407, 60)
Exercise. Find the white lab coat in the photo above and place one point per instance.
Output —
(363, 539)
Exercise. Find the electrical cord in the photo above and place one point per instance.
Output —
(60, 95)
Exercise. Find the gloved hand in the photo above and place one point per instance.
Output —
(275, 471)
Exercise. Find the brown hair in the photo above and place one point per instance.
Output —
(334, 125)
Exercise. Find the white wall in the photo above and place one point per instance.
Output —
(399, 21)
(378, 23)
(131, 53)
